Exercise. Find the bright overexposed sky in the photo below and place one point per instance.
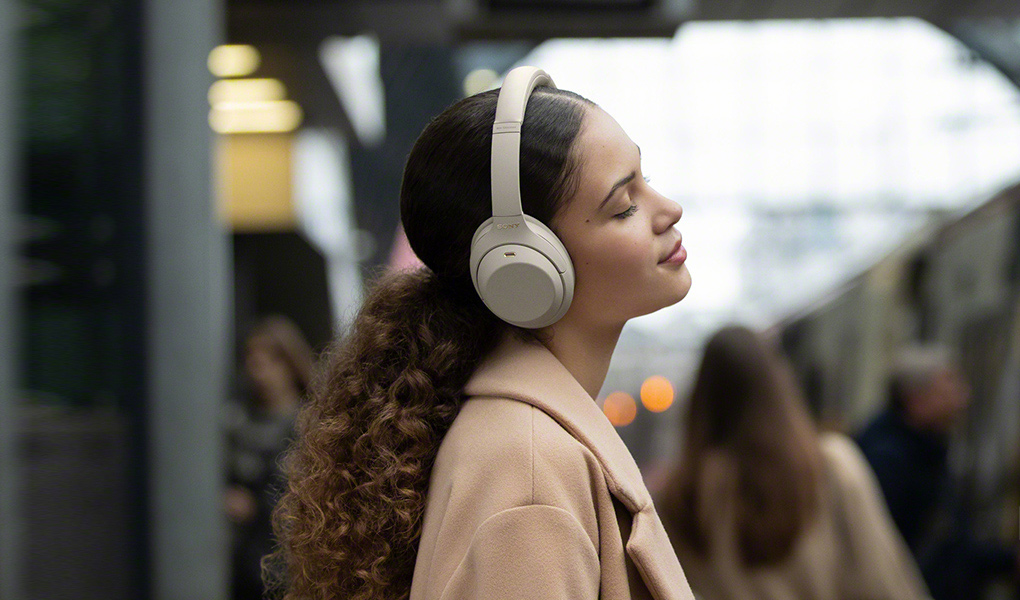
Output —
(802, 151)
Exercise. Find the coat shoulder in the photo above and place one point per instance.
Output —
(512, 437)
(490, 430)
(520, 455)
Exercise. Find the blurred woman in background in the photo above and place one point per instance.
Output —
(761, 506)
(278, 363)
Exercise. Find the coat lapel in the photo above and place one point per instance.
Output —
(529, 373)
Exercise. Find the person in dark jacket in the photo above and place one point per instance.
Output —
(278, 363)
(907, 446)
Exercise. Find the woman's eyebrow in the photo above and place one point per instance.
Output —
(617, 186)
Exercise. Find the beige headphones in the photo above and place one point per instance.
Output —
(518, 266)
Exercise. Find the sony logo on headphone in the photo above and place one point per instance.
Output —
(506, 225)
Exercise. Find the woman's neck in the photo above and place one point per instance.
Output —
(585, 351)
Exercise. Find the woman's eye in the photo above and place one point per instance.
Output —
(630, 211)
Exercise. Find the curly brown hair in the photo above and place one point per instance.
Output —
(350, 517)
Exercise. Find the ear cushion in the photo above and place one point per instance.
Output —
(561, 258)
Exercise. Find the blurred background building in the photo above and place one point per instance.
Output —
(170, 172)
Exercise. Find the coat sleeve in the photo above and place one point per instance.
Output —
(883, 564)
(535, 552)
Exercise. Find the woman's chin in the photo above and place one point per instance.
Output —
(678, 292)
(684, 277)
(680, 285)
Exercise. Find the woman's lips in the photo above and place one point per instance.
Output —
(677, 256)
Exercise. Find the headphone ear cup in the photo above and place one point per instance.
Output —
(520, 285)
(525, 277)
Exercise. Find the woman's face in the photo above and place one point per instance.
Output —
(267, 370)
(619, 231)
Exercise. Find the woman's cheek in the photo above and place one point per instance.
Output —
(630, 257)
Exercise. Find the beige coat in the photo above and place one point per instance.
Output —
(534, 496)
(851, 551)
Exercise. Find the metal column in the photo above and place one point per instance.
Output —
(10, 516)
(188, 299)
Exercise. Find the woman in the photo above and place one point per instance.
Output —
(451, 455)
(278, 363)
(761, 506)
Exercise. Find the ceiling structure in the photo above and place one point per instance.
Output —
(446, 21)
(294, 29)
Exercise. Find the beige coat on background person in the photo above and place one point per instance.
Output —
(534, 496)
(852, 550)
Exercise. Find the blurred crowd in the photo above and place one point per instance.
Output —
(762, 504)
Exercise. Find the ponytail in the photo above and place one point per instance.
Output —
(349, 521)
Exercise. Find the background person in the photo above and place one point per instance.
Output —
(278, 364)
(908, 448)
(760, 506)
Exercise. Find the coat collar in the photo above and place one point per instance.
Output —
(528, 372)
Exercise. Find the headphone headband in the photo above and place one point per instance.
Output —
(506, 140)
(519, 267)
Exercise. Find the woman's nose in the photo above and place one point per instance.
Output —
(669, 215)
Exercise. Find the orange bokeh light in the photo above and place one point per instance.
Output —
(657, 393)
(620, 408)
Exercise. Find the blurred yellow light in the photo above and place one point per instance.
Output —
(254, 182)
(255, 117)
(234, 60)
(620, 408)
(246, 90)
(657, 393)
(479, 80)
